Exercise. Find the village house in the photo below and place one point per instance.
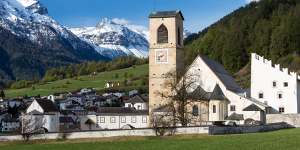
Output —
(121, 118)
(9, 124)
(111, 84)
(138, 102)
(47, 111)
(67, 123)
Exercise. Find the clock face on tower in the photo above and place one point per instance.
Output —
(161, 56)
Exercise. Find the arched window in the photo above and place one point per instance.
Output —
(178, 36)
(162, 34)
(195, 110)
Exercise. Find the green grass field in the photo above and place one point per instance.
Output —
(278, 140)
(82, 82)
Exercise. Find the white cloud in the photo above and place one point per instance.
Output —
(121, 21)
(249, 1)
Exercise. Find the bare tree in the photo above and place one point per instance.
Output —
(32, 124)
(180, 97)
(163, 124)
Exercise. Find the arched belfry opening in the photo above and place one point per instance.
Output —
(162, 34)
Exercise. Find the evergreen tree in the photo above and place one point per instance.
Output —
(2, 94)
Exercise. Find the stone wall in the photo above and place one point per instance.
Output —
(291, 119)
(108, 133)
(216, 130)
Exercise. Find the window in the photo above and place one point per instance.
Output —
(274, 84)
(102, 119)
(123, 119)
(261, 95)
(144, 119)
(195, 110)
(112, 119)
(280, 96)
(214, 109)
(133, 119)
(232, 107)
(178, 36)
(285, 84)
(162, 34)
(281, 109)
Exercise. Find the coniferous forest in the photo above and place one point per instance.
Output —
(269, 27)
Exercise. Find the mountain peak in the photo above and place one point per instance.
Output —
(115, 37)
(27, 3)
(34, 6)
(106, 22)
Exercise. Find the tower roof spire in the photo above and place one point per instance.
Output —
(166, 14)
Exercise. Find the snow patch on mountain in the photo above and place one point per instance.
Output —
(116, 37)
(27, 3)
(29, 19)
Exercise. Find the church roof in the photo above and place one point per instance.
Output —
(199, 94)
(166, 14)
(252, 107)
(222, 74)
(217, 94)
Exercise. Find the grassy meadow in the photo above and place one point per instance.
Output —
(279, 140)
(68, 85)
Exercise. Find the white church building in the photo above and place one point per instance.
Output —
(275, 86)
(210, 74)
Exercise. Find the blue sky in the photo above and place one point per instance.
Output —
(198, 13)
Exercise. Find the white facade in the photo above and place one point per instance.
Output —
(137, 106)
(34, 106)
(51, 97)
(275, 86)
(122, 121)
(51, 119)
(50, 122)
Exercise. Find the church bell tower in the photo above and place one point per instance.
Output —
(165, 53)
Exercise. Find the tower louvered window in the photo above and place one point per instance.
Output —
(162, 34)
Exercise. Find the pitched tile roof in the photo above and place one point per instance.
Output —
(136, 99)
(199, 94)
(47, 105)
(166, 14)
(222, 74)
(252, 107)
(217, 94)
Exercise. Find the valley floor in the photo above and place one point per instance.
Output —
(279, 140)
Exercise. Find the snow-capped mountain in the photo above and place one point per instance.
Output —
(31, 41)
(115, 38)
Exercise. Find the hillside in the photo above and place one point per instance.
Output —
(136, 77)
(269, 28)
(31, 42)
